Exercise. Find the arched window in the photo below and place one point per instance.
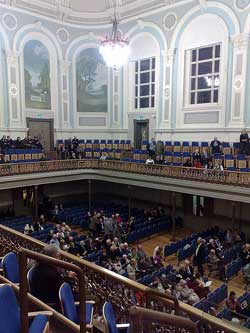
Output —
(91, 81)
(37, 76)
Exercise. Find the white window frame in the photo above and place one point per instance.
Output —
(189, 76)
(139, 84)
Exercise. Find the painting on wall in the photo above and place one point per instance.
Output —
(37, 76)
(92, 82)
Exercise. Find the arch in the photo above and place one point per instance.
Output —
(151, 28)
(4, 39)
(82, 42)
(246, 28)
(231, 26)
(223, 11)
(41, 32)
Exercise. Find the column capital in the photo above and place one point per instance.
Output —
(65, 66)
(169, 56)
(12, 57)
(240, 41)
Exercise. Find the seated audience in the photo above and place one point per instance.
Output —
(150, 160)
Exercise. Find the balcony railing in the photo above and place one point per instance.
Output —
(225, 177)
(121, 291)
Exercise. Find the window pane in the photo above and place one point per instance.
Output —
(216, 81)
(216, 96)
(205, 68)
(194, 70)
(206, 53)
(193, 84)
(153, 76)
(152, 89)
(145, 65)
(194, 55)
(217, 51)
(136, 91)
(193, 98)
(217, 66)
(145, 77)
(144, 90)
(136, 103)
(144, 103)
(136, 66)
(153, 63)
(152, 102)
(204, 97)
(205, 82)
(136, 78)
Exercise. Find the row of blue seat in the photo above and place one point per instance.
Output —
(180, 244)
(213, 299)
(148, 279)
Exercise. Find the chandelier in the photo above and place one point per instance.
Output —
(115, 50)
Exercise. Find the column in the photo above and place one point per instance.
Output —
(168, 60)
(173, 213)
(114, 116)
(15, 118)
(233, 203)
(240, 45)
(89, 194)
(36, 202)
(129, 201)
(65, 69)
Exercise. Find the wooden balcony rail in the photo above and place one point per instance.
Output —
(25, 254)
(121, 291)
(143, 320)
(235, 178)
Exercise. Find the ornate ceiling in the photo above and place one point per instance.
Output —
(89, 11)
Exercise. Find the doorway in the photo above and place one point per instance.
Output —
(141, 132)
(44, 130)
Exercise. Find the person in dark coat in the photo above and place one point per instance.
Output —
(46, 279)
(199, 255)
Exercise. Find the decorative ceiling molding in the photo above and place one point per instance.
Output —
(83, 12)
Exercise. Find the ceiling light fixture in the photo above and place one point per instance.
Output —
(115, 49)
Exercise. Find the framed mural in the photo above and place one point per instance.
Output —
(92, 81)
(37, 76)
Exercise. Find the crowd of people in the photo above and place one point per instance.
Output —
(7, 143)
(186, 281)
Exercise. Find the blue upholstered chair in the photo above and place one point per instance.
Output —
(29, 279)
(69, 306)
(110, 325)
(11, 267)
(10, 321)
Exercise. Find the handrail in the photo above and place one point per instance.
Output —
(225, 177)
(25, 254)
(144, 318)
(116, 288)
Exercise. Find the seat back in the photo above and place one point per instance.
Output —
(67, 303)
(11, 267)
(109, 318)
(10, 313)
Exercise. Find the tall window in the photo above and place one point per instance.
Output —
(205, 74)
(145, 83)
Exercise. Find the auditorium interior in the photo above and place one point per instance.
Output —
(124, 166)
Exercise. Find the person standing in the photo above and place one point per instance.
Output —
(244, 142)
(151, 147)
(200, 255)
